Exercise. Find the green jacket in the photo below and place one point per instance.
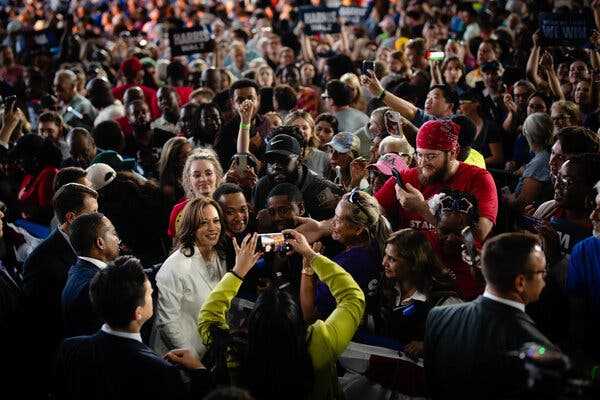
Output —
(326, 339)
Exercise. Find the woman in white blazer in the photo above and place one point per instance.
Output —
(188, 276)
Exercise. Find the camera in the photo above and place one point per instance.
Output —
(273, 243)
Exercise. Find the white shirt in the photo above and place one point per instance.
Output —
(126, 335)
(98, 263)
(502, 300)
(183, 284)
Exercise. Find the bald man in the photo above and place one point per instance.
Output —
(77, 111)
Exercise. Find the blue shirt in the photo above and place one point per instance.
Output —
(360, 262)
(583, 277)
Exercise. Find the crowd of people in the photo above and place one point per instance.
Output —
(225, 223)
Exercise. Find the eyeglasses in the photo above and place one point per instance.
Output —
(451, 204)
(428, 156)
(542, 272)
(566, 180)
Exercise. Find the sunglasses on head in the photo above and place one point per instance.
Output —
(450, 204)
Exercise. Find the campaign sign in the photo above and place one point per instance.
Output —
(319, 20)
(187, 41)
(36, 41)
(566, 29)
(354, 15)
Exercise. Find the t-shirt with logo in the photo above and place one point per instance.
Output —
(467, 178)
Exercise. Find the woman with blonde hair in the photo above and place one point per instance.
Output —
(315, 159)
(188, 276)
(360, 227)
(202, 174)
(358, 99)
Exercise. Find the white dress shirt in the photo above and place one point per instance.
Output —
(127, 335)
(502, 300)
(98, 263)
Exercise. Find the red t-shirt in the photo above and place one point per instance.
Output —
(175, 218)
(467, 286)
(149, 95)
(467, 178)
(37, 191)
(184, 94)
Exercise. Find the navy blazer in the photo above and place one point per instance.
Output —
(103, 366)
(44, 276)
(466, 348)
(78, 314)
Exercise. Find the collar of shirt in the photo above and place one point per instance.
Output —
(98, 263)
(126, 335)
(416, 296)
(515, 304)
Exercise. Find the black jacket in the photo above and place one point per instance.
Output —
(104, 366)
(44, 277)
(466, 347)
(78, 314)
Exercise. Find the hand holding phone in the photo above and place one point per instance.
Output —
(368, 65)
(398, 178)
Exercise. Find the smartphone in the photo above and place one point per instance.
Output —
(436, 56)
(9, 101)
(368, 65)
(398, 178)
(272, 243)
(469, 241)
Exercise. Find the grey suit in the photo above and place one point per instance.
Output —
(466, 348)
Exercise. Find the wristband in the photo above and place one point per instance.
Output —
(308, 271)
(244, 126)
(236, 275)
(381, 95)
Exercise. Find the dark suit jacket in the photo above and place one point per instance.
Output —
(44, 277)
(78, 314)
(104, 366)
(465, 347)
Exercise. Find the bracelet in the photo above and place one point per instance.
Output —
(308, 271)
(236, 275)
(381, 95)
(244, 126)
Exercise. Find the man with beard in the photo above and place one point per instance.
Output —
(148, 141)
(284, 164)
(169, 108)
(438, 169)
(583, 288)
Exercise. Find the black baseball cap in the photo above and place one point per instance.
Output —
(283, 144)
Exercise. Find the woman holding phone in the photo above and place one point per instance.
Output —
(282, 356)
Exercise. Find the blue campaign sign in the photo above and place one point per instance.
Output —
(566, 29)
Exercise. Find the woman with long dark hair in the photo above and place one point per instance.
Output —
(413, 282)
(188, 276)
(284, 358)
